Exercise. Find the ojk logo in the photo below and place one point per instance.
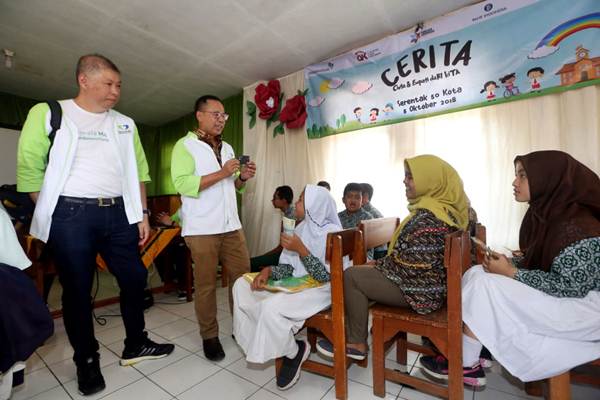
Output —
(361, 55)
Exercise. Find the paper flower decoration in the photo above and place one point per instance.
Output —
(267, 99)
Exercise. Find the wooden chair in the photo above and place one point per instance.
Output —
(377, 232)
(41, 265)
(559, 387)
(443, 327)
(330, 323)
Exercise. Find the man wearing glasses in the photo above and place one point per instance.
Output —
(206, 174)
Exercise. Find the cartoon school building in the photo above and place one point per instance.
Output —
(585, 68)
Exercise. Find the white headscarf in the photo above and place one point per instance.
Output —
(320, 218)
(11, 252)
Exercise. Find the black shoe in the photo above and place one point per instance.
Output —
(325, 347)
(437, 366)
(485, 358)
(181, 295)
(213, 349)
(146, 351)
(290, 368)
(89, 377)
(18, 378)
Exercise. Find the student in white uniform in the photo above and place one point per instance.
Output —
(25, 322)
(264, 323)
(539, 312)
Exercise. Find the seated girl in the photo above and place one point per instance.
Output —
(412, 274)
(538, 313)
(264, 323)
(25, 322)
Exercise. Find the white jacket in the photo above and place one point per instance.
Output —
(126, 141)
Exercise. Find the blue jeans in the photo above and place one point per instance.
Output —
(79, 232)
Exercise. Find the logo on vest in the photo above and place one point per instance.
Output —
(123, 128)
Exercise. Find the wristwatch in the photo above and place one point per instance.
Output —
(146, 211)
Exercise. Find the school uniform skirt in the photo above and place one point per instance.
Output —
(532, 334)
(264, 323)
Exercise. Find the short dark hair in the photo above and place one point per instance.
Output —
(536, 69)
(202, 100)
(357, 108)
(366, 188)
(376, 110)
(507, 77)
(93, 63)
(352, 187)
(285, 192)
(324, 184)
(485, 85)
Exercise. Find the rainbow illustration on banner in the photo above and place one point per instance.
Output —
(549, 43)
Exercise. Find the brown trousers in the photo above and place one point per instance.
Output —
(208, 251)
(363, 284)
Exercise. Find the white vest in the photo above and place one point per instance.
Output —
(62, 155)
(215, 209)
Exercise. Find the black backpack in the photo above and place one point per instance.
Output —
(55, 118)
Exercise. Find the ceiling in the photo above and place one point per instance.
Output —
(171, 52)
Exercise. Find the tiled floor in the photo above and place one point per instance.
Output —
(187, 375)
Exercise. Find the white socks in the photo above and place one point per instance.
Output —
(471, 350)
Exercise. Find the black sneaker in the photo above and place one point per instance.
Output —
(213, 350)
(437, 366)
(147, 351)
(290, 368)
(89, 377)
(485, 358)
(181, 295)
(18, 377)
(325, 347)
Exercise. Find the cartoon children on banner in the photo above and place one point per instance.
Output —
(534, 74)
(490, 88)
(373, 114)
(387, 110)
(358, 113)
(509, 84)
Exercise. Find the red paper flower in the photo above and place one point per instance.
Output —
(267, 98)
(294, 112)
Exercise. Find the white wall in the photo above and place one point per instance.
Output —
(8, 155)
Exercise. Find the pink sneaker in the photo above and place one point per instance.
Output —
(437, 366)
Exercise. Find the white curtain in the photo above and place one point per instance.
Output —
(480, 143)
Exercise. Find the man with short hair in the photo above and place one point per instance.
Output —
(367, 195)
(90, 197)
(324, 184)
(206, 174)
(282, 200)
(354, 213)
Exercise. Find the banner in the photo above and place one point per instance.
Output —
(484, 54)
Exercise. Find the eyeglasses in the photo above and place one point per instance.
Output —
(217, 115)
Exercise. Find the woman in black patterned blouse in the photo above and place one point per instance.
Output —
(412, 274)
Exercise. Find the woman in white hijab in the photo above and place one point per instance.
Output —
(264, 323)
